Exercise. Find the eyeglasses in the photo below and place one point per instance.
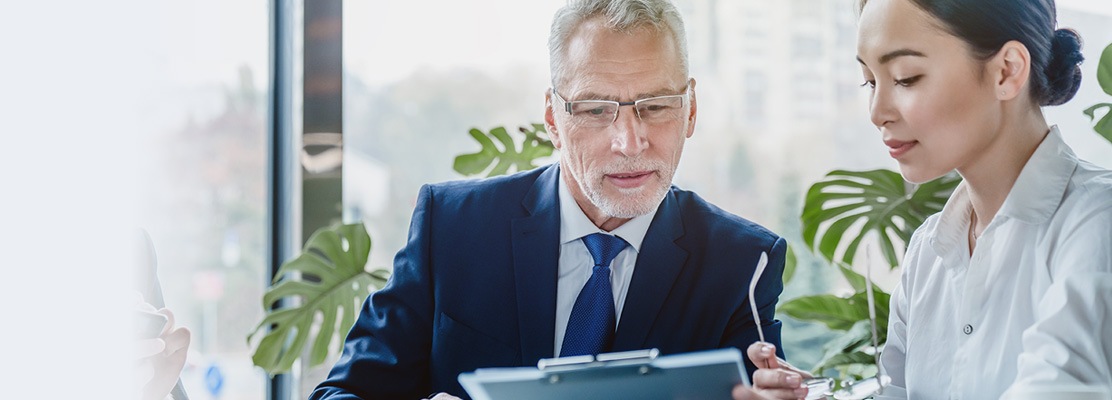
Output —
(820, 388)
(602, 113)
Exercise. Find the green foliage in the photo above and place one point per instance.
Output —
(322, 289)
(790, 263)
(1104, 125)
(1104, 77)
(852, 350)
(327, 281)
(833, 311)
(535, 145)
(848, 349)
(839, 313)
(877, 201)
(1104, 70)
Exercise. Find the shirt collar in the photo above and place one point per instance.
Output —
(1039, 189)
(953, 222)
(574, 224)
(1034, 197)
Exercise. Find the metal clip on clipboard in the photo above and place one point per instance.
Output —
(620, 363)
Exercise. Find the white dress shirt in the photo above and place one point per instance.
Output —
(1032, 306)
(576, 264)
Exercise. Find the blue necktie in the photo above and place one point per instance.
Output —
(591, 326)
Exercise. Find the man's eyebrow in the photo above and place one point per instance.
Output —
(655, 93)
(596, 96)
(892, 55)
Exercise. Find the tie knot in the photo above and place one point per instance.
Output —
(604, 247)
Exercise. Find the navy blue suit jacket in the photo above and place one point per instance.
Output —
(475, 287)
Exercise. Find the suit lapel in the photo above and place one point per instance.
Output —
(658, 264)
(536, 251)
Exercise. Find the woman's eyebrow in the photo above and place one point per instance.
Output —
(894, 54)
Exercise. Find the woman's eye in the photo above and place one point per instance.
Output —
(869, 84)
(908, 81)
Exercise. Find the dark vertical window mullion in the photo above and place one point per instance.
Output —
(280, 213)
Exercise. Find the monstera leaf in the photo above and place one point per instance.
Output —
(878, 202)
(1104, 77)
(847, 351)
(534, 146)
(326, 281)
(1104, 70)
(790, 261)
(839, 313)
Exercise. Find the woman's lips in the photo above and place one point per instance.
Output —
(629, 180)
(897, 148)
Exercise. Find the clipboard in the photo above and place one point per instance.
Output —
(640, 374)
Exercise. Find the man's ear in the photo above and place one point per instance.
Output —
(1010, 69)
(550, 120)
(694, 108)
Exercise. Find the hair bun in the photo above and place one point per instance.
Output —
(1063, 73)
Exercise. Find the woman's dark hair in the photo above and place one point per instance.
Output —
(985, 25)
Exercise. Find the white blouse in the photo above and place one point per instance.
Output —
(1032, 306)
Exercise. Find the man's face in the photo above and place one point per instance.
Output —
(624, 169)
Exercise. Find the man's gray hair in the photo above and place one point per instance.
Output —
(620, 16)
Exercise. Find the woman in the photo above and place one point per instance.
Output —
(1009, 285)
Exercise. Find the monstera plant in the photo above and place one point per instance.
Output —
(534, 145)
(1103, 126)
(839, 213)
(328, 280)
(879, 201)
(315, 297)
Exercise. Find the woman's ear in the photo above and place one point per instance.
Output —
(1010, 69)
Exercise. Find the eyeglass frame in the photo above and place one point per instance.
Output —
(568, 103)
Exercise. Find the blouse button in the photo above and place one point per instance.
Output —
(968, 329)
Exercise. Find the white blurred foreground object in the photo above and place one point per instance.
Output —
(158, 346)
(1058, 392)
(761, 264)
(159, 359)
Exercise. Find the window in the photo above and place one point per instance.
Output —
(768, 124)
(203, 190)
(192, 94)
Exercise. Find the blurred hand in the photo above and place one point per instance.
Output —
(159, 360)
(775, 378)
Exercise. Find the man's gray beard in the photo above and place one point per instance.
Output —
(626, 207)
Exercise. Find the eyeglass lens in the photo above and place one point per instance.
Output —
(654, 110)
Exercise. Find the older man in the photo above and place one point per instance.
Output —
(597, 253)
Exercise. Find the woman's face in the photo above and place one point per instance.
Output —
(933, 102)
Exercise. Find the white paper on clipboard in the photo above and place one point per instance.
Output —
(641, 374)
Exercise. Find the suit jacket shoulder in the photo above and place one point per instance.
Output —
(718, 228)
